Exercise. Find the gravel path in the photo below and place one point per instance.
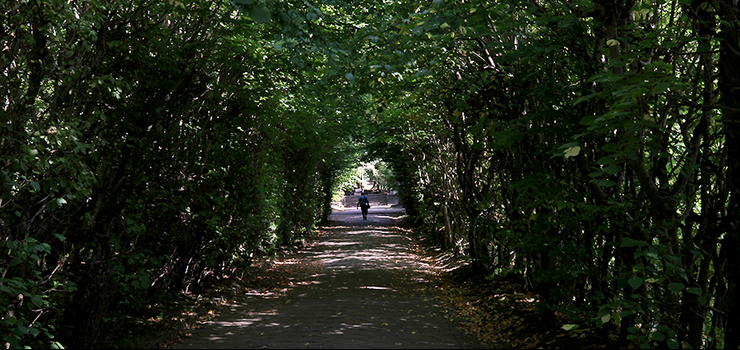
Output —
(364, 289)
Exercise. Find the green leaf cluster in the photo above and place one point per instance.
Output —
(151, 148)
(578, 146)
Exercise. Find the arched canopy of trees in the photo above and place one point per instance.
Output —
(589, 148)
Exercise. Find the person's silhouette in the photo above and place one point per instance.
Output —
(364, 204)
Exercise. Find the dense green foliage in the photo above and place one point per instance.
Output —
(588, 148)
(147, 147)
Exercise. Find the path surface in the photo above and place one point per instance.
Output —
(366, 290)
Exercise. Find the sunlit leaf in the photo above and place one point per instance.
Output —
(572, 151)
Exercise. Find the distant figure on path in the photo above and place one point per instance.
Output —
(364, 204)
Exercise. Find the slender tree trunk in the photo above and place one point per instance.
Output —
(327, 182)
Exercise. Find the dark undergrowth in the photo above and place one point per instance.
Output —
(503, 315)
(162, 324)
(499, 311)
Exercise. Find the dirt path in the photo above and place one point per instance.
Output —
(364, 289)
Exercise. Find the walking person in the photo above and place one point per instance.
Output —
(364, 204)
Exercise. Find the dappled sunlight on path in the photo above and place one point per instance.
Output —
(363, 288)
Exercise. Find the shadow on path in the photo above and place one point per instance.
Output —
(365, 290)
